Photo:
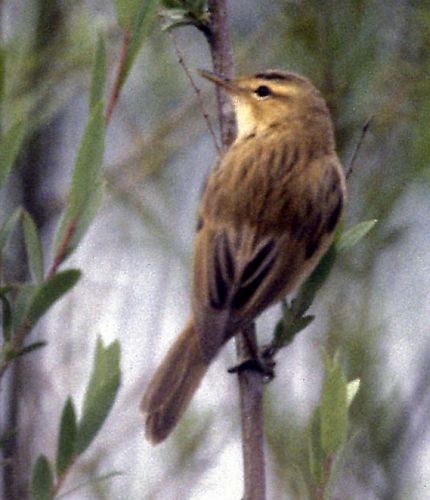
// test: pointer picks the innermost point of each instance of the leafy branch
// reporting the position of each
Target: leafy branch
(294, 318)
(75, 435)
(86, 191)
(23, 304)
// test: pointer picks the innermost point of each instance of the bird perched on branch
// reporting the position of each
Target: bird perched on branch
(266, 217)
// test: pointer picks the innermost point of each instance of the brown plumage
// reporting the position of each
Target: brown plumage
(267, 215)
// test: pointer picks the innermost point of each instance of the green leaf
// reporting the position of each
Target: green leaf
(86, 185)
(175, 18)
(173, 4)
(310, 287)
(10, 145)
(317, 455)
(22, 304)
(89, 211)
(126, 10)
(42, 480)
(184, 13)
(354, 235)
(351, 390)
(98, 80)
(293, 319)
(142, 24)
(66, 438)
(49, 292)
(6, 317)
(2, 76)
(7, 228)
(86, 174)
(33, 247)
(100, 394)
(334, 409)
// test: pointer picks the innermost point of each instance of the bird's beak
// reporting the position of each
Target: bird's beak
(229, 85)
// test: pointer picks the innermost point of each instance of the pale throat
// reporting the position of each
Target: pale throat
(246, 123)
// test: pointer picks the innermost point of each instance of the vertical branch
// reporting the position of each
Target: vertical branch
(222, 59)
(250, 381)
(251, 413)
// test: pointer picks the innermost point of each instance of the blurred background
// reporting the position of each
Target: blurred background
(369, 58)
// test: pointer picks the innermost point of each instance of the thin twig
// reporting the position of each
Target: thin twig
(119, 75)
(196, 89)
(250, 381)
(358, 146)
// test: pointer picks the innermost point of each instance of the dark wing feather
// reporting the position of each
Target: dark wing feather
(254, 272)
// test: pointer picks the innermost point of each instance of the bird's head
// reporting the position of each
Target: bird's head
(271, 97)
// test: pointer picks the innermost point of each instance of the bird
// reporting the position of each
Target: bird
(267, 215)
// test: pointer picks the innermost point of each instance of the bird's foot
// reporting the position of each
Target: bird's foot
(263, 364)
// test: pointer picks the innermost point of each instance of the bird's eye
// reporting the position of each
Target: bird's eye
(262, 91)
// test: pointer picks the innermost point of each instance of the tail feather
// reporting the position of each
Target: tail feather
(173, 385)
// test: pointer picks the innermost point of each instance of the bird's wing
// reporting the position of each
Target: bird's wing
(237, 275)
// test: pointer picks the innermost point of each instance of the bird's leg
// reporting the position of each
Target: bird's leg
(255, 360)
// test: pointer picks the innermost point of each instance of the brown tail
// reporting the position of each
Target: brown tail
(173, 385)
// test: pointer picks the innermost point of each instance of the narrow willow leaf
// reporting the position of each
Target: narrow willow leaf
(142, 24)
(172, 4)
(351, 390)
(22, 303)
(334, 410)
(310, 287)
(100, 394)
(178, 14)
(175, 18)
(354, 235)
(85, 182)
(86, 174)
(420, 138)
(49, 292)
(6, 229)
(89, 211)
(33, 247)
(66, 438)
(98, 80)
(10, 145)
(317, 455)
(6, 317)
(2, 77)
(126, 10)
(42, 480)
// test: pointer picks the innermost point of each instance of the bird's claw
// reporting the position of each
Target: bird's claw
(263, 364)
